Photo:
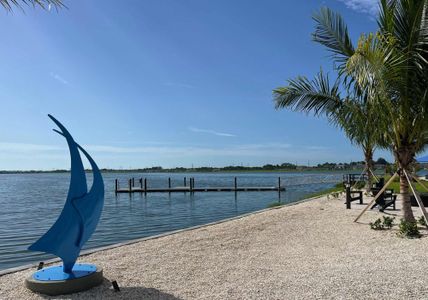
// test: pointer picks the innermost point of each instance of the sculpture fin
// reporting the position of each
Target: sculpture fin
(81, 211)
(78, 186)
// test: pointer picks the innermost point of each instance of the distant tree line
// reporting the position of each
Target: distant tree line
(268, 167)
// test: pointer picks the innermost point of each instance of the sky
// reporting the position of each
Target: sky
(166, 83)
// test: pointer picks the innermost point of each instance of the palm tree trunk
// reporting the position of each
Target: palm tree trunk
(405, 199)
(404, 156)
(368, 156)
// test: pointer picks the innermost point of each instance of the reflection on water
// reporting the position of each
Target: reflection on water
(30, 204)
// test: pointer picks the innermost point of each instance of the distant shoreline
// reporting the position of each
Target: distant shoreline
(308, 170)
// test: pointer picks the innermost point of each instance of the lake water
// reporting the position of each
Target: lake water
(30, 204)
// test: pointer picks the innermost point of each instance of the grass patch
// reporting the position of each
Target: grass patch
(336, 189)
(275, 204)
(395, 185)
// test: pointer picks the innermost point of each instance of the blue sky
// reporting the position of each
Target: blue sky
(168, 82)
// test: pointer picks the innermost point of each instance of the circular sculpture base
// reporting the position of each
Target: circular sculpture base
(53, 281)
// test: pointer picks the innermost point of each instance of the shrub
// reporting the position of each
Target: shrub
(377, 225)
(388, 222)
(360, 185)
(422, 221)
(408, 229)
(335, 195)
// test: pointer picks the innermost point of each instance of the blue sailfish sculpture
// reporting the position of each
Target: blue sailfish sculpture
(81, 212)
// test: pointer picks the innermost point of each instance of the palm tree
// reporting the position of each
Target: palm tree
(353, 113)
(392, 65)
(389, 71)
(9, 4)
(358, 120)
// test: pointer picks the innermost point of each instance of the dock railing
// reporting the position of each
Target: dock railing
(191, 187)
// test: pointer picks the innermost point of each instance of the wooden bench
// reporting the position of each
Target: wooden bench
(424, 198)
(387, 199)
(350, 197)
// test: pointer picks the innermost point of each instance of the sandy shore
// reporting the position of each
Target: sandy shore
(312, 250)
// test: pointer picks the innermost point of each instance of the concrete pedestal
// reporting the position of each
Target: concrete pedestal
(53, 281)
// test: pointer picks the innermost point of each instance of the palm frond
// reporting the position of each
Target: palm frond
(332, 32)
(386, 15)
(44, 4)
(374, 65)
(405, 74)
(360, 122)
(407, 20)
(316, 96)
(354, 116)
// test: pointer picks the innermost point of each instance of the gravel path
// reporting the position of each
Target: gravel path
(312, 250)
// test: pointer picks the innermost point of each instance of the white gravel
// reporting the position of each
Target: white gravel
(312, 250)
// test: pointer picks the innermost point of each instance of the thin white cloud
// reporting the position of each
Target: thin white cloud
(365, 6)
(165, 149)
(317, 148)
(210, 131)
(22, 147)
(266, 146)
(263, 149)
(176, 151)
(37, 156)
(259, 150)
(59, 78)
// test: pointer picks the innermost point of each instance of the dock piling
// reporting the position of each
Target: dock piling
(190, 186)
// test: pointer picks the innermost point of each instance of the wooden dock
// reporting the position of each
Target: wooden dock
(143, 187)
(351, 179)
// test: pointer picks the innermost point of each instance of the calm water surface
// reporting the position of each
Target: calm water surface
(30, 204)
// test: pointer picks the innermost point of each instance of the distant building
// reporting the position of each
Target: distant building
(422, 174)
